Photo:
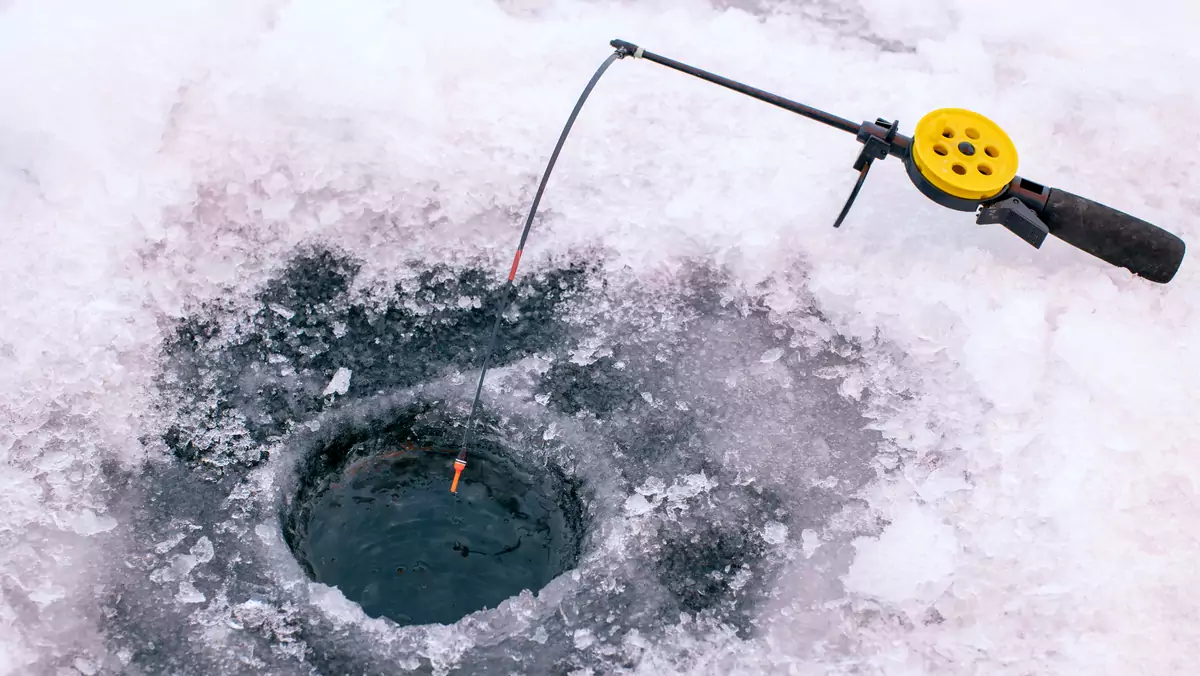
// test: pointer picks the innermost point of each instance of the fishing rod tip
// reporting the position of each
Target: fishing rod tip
(459, 466)
(626, 48)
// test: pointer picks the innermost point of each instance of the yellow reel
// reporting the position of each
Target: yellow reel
(963, 154)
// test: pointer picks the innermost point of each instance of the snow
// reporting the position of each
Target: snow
(912, 562)
(1038, 491)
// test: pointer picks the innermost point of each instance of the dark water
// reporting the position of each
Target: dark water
(387, 531)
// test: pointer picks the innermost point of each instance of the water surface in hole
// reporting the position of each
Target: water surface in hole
(387, 531)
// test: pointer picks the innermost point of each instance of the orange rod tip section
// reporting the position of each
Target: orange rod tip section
(459, 466)
(516, 261)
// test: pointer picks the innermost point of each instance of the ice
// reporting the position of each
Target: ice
(809, 540)
(339, 383)
(775, 533)
(1036, 505)
(637, 505)
(584, 639)
(189, 594)
(912, 561)
(771, 355)
(202, 550)
(169, 544)
(88, 522)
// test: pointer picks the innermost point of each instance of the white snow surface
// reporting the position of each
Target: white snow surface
(155, 155)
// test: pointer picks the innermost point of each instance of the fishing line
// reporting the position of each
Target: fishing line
(460, 461)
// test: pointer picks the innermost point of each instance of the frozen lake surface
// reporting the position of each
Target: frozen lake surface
(233, 234)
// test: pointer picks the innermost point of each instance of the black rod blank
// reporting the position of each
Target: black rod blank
(830, 119)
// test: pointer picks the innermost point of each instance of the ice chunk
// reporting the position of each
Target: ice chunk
(637, 505)
(169, 544)
(88, 522)
(202, 550)
(583, 639)
(189, 594)
(772, 355)
(652, 486)
(775, 533)
(47, 594)
(912, 560)
(339, 384)
(809, 542)
(689, 487)
(182, 565)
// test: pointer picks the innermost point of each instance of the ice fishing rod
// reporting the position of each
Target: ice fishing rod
(955, 157)
(965, 161)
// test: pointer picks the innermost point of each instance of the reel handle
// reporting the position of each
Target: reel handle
(1113, 236)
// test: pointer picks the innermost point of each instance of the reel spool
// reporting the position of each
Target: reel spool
(959, 158)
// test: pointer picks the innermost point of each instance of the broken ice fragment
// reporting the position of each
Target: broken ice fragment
(202, 550)
(637, 505)
(88, 522)
(775, 533)
(810, 541)
(771, 355)
(339, 384)
(189, 594)
(584, 639)
(166, 545)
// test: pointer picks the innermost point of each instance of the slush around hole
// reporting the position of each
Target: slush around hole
(959, 169)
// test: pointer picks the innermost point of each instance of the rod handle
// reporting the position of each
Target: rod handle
(1113, 236)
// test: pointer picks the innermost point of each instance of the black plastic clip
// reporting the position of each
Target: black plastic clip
(625, 49)
(1020, 220)
(874, 148)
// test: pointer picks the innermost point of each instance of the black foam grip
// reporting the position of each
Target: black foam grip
(1113, 236)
